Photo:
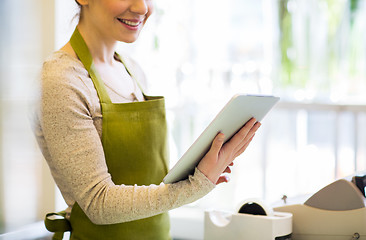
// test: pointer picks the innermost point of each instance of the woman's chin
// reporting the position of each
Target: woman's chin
(129, 39)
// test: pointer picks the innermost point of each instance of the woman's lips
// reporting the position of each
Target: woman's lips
(130, 24)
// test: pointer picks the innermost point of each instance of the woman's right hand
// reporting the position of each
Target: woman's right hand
(221, 156)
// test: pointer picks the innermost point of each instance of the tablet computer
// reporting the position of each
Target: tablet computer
(229, 120)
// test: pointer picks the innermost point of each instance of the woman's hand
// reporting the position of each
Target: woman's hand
(221, 156)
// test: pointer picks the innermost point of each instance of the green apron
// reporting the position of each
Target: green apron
(135, 147)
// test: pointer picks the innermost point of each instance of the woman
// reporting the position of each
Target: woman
(105, 140)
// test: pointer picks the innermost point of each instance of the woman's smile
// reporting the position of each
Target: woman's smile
(131, 24)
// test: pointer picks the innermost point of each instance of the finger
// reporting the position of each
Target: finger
(243, 132)
(227, 170)
(244, 147)
(217, 143)
(223, 179)
(249, 136)
(254, 129)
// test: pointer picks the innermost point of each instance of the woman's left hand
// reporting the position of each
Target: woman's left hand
(221, 156)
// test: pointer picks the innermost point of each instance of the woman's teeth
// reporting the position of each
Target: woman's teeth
(129, 23)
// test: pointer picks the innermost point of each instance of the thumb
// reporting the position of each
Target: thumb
(217, 143)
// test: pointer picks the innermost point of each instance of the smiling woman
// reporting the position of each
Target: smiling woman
(105, 140)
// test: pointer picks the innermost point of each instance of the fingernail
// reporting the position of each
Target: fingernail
(227, 178)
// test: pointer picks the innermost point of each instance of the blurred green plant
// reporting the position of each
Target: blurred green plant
(286, 44)
(159, 13)
(356, 40)
(343, 42)
(353, 6)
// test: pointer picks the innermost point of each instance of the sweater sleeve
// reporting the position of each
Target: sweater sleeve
(72, 147)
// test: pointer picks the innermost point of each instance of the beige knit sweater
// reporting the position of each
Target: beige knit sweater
(68, 130)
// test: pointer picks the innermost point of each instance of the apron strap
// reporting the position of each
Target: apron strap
(129, 73)
(81, 49)
(57, 225)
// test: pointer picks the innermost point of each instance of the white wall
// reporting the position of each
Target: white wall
(26, 39)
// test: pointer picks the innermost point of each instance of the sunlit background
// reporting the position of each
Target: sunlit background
(198, 53)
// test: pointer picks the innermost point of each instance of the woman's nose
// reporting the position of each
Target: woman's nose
(139, 6)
